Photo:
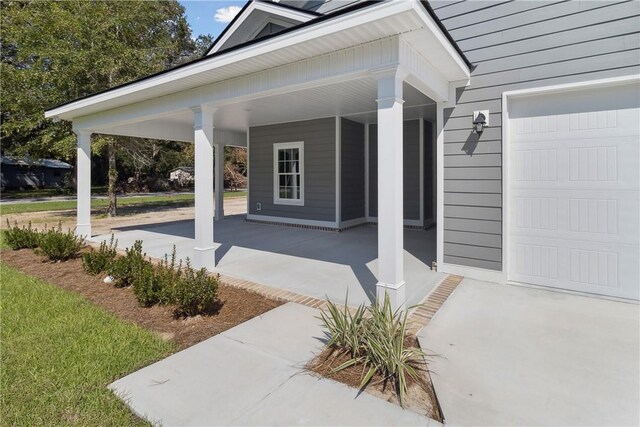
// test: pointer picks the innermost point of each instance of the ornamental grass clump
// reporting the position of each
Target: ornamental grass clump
(375, 340)
(59, 245)
(100, 260)
(21, 237)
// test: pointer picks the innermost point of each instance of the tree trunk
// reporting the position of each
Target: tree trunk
(113, 179)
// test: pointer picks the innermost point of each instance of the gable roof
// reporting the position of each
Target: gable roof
(51, 112)
(242, 26)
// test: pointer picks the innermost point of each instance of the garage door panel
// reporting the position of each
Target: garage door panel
(599, 124)
(582, 266)
(574, 191)
(583, 215)
(585, 164)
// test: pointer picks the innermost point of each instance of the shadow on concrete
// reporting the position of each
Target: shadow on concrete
(356, 247)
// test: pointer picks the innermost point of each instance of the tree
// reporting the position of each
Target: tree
(53, 52)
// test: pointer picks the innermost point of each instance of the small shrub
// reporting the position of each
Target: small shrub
(195, 292)
(127, 268)
(145, 286)
(21, 237)
(99, 261)
(58, 245)
(167, 274)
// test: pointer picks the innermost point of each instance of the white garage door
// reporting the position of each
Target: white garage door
(574, 190)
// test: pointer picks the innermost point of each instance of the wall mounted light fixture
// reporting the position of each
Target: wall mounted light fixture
(480, 120)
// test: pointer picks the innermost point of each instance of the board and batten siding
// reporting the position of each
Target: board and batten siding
(319, 138)
(352, 194)
(516, 45)
(411, 170)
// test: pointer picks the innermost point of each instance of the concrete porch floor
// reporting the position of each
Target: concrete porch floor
(309, 262)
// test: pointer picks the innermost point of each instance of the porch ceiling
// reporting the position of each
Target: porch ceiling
(354, 99)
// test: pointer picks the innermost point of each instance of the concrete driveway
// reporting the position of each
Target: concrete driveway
(513, 355)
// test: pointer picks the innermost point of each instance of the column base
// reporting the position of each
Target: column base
(83, 230)
(218, 216)
(396, 293)
(204, 258)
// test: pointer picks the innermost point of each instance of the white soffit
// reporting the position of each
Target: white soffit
(363, 25)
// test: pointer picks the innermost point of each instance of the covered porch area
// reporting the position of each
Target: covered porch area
(320, 264)
(308, 104)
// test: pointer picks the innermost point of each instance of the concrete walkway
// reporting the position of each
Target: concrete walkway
(512, 355)
(251, 375)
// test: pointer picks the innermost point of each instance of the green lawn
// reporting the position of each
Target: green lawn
(59, 352)
(44, 192)
(177, 200)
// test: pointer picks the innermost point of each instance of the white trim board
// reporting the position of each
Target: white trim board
(269, 8)
(299, 145)
(472, 272)
(338, 166)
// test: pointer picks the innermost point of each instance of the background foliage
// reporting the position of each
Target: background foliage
(56, 51)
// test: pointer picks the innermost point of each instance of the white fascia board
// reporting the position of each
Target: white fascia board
(344, 22)
(422, 74)
(265, 7)
(442, 39)
(565, 87)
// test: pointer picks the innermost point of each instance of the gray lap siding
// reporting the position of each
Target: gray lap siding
(319, 169)
(352, 196)
(516, 45)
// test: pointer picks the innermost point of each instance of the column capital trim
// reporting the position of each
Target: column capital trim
(385, 102)
(201, 115)
(82, 132)
(387, 71)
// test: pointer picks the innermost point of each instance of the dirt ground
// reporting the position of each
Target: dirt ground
(236, 305)
(100, 224)
(420, 398)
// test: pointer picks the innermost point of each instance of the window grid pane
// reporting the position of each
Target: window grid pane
(289, 178)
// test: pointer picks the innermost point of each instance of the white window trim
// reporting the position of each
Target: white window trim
(276, 186)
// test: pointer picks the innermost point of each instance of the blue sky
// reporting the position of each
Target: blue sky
(210, 16)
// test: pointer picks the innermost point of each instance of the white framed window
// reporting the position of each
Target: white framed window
(288, 173)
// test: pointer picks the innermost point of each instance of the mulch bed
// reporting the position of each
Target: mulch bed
(236, 305)
(420, 398)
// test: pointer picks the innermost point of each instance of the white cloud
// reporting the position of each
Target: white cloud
(226, 14)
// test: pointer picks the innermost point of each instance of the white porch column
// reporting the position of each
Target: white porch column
(390, 188)
(204, 255)
(83, 184)
(219, 181)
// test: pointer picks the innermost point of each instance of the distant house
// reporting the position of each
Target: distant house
(21, 172)
(182, 175)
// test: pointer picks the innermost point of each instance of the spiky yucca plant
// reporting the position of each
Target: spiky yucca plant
(345, 328)
(375, 339)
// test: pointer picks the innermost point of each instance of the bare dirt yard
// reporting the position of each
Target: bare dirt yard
(100, 224)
